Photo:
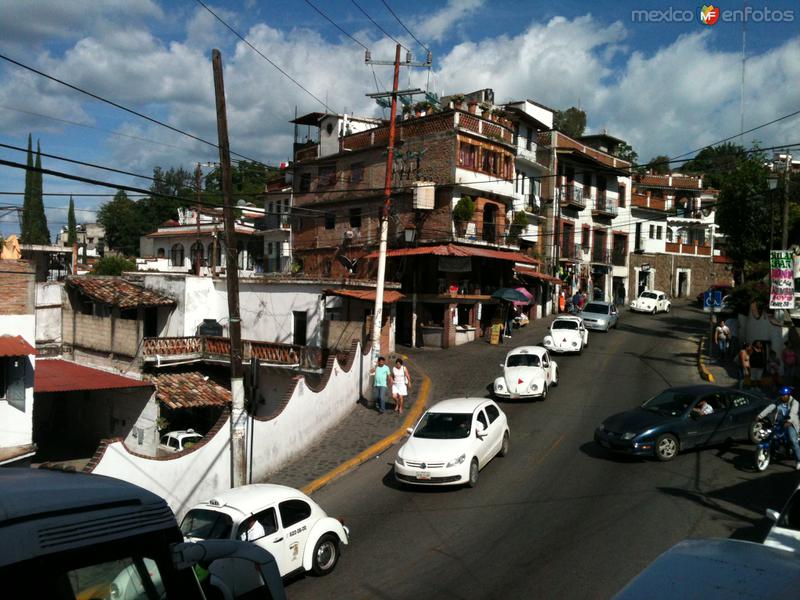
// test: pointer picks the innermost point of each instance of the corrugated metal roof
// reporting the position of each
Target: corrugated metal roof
(15, 345)
(455, 250)
(188, 390)
(389, 296)
(57, 375)
(115, 291)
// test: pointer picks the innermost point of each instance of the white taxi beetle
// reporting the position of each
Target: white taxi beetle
(567, 334)
(651, 302)
(289, 524)
(528, 372)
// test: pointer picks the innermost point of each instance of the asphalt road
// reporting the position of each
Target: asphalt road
(558, 517)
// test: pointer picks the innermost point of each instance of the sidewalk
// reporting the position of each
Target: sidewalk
(359, 435)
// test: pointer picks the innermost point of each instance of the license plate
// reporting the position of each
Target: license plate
(514, 396)
(423, 475)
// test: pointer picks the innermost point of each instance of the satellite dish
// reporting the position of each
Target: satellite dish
(241, 202)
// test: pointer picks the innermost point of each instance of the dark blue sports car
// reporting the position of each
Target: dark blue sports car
(680, 418)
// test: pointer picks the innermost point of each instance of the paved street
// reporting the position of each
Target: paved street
(557, 518)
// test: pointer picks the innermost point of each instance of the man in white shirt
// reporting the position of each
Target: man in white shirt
(251, 530)
(703, 408)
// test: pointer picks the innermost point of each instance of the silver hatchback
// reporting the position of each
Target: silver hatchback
(600, 316)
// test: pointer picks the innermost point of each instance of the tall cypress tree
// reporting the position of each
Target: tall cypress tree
(40, 234)
(72, 230)
(25, 233)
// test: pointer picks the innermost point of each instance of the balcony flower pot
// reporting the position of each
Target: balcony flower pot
(472, 107)
(461, 228)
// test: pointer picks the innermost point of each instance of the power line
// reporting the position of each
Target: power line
(374, 22)
(262, 55)
(332, 22)
(416, 39)
(119, 106)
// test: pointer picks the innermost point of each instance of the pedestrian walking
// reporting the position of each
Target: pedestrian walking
(758, 362)
(733, 342)
(562, 302)
(721, 338)
(382, 374)
(401, 381)
(743, 364)
(789, 363)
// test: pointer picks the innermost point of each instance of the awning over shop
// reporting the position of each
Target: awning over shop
(15, 345)
(456, 250)
(57, 375)
(389, 296)
(530, 272)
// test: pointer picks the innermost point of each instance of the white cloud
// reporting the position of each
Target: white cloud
(436, 25)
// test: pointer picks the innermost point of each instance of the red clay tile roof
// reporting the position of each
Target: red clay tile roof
(187, 390)
(454, 250)
(389, 296)
(57, 375)
(118, 292)
(15, 345)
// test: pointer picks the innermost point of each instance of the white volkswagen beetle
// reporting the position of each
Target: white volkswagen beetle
(651, 302)
(452, 441)
(280, 519)
(528, 372)
(567, 334)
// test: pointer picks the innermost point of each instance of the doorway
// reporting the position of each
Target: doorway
(644, 278)
(489, 223)
(683, 284)
(300, 319)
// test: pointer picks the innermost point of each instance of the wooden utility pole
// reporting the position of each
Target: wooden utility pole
(786, 177)
(238, 417)
(198, 173)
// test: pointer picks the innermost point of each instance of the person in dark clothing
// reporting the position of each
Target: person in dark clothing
(758, 361)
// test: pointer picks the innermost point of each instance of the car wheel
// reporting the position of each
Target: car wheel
(555, 376)
(652, 312)
(504, 446)
(762, 458)
(666, 447)
(326, 554)
(544, 393)
(473, 473)
(666, 310)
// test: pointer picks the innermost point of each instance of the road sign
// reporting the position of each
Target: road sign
(712, 301)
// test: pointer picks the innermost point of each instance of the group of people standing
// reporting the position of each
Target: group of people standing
(759, 365)
(397, 378)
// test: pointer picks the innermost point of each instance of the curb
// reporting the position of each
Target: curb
(705, 374)
(380, 446)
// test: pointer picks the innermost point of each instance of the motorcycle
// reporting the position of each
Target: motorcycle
(771, 439)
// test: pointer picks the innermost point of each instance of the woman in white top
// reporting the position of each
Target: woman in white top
(401, 380)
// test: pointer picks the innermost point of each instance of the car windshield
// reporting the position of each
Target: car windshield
(523, 360)
(601, 309)
(565, 324)
(206, 524)
(650, 295)
(669, 402)
(444, 426)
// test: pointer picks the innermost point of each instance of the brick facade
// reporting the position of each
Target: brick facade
(665, 272)
(17, 287)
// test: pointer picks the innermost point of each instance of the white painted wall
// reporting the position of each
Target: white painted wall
(48, 312)
(16, 427)
(197, 475)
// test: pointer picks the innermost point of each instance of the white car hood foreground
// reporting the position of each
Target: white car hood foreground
(563, 338)
(433, 450)
(644, 304)
(518, 379)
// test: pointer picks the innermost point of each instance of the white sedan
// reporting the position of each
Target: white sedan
(785, 531)
(452, 442)
(280, 519)
(567, 334)
(527, 373)
(651, 302)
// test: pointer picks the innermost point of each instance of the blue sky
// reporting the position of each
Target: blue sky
(666, 87)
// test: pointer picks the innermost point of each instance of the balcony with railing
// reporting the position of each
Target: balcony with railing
(274, 222)
(572, 196)
(619, 258)
(691, 248)
(604, 206)
(601, 256)
(650, 202)
(533, 206)
(536, 155)
(570, 252)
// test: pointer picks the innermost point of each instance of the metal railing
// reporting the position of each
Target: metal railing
(572, 196)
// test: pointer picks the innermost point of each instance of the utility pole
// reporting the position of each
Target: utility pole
(377, 318)
(198, 173)
(786, 176)
(238, 417)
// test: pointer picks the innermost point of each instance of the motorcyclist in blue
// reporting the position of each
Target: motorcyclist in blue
(785, 413)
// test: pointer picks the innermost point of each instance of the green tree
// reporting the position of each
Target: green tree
(34, 229)
(72, 228)
(626, 152)
(716, 163)
(571, 121)
(659, 164)
(113, 265)
(123, 223)
(27, 202)
(743, 212)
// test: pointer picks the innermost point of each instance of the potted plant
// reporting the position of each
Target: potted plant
(422, 108)
(472, 107)
(458, 101)
(462, 213)
(407, 110)
(518, 225)
(486, 108)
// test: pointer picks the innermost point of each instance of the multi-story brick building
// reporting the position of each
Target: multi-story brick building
(448, 260)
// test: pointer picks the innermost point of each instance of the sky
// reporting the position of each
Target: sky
(650, 73)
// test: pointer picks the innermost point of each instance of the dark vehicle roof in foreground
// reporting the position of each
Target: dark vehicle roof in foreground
(48, 511)
(716, 568)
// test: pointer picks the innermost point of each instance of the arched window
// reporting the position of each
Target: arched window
(176, 255)
(161, 253)
(197, 251)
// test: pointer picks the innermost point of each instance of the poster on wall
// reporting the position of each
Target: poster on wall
(781, 274)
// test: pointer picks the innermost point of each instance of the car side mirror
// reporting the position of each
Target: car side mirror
(410, 430)
(480, 431)
(773, 515)
(502, 366)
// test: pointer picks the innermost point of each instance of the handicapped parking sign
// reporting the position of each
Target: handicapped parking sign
(712, 301)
